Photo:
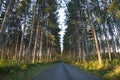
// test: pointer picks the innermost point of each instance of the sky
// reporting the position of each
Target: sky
(61, 20)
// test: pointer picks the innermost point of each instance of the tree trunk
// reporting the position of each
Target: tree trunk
(107, 41)
(41, 42)
(79, 46)
(113, 47)
(108, 48)
(30, 41)
(1, 1)
(3, 27)
(48, 52)
(4, 51)
(101, 50)
(94, 34)
(16, 47)
(35, 45)
(83, 52)
(21, 47)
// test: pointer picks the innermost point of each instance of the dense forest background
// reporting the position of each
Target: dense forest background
(93, 28)
(29, 33)
(29, 30)
(92, 39)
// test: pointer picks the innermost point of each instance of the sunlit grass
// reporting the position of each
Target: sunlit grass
(113, 74)
(109, 70)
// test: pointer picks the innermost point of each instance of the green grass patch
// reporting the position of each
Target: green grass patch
(21, 72)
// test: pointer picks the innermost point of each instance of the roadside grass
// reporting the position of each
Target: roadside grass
(13, 71)
(108, 71)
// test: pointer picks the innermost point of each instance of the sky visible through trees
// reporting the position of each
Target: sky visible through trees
(61, 19)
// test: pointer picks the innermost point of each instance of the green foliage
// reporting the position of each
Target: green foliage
(98, 20)
(114, 8)
(118, 14)
(109, 70)
(13, 71)
(51, 39)
(7, 67)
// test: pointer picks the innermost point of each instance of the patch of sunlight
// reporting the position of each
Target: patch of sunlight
(2, 63)
(77, 63)
(118, 14)
(98, 20)
(100, 67)
(115, 72)
(117, 69)
(103, 66)
(23, 66)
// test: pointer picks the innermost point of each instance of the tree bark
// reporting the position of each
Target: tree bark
(21, 47)
(94, 34)
(41, 42)
(79, 46)
(114, 47)
(30, 41)
(3, 27)
(16, 47)
(1, 3)
(35, 45)
(84, 44)
(107, 41)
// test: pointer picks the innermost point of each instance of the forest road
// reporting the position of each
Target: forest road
(62, 71)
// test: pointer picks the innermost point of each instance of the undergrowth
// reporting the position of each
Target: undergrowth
(11, 70)
(109, 70)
